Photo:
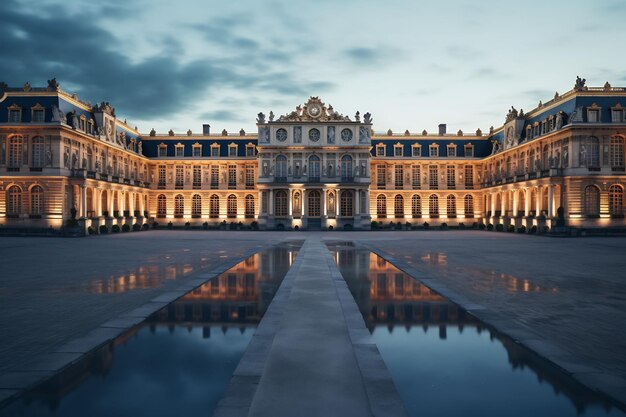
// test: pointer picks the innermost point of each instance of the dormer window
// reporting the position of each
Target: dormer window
(15, 114)
(196, 149)
(38, 113)
(397, 149)
(215, 150)
(529, 132)
(536, 129)
(82, 123)
(451, 150)
(179, 150)
(593, 113)
(90, 127)
(250, 149)
(617, 114)
(380, 149)
(162, 150)
(416, 150)
(433, 150)
(551, 123)
(469, 150)
(232, 150)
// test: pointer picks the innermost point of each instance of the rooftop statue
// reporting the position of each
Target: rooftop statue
(53, 85)
(153, 132)
(260, 118)
(580, 84)
(367, 118)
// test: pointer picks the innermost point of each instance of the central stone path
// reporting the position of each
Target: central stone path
(312, 354)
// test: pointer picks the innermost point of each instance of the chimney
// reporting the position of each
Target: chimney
(442, 129)
(206, 130)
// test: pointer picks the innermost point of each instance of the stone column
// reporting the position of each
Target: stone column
(538, 202)
(357, 202)
(305, 203)
(323, 203)
(289, 203)
(503, 203)
(551, 201)
(270, 203)
(527, 202)
(515, 203)
(366, 209)
(492, 198)
(83, 201)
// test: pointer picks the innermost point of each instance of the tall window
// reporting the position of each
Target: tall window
(214, 206)
(215, 150)
(249, 209)
(249, 176)
(469, 206)
(616, 200)
(314, 168)
(381, 206)
(416, 150)
(546, 157)
(180, 150)
(197, 176)
(179, 205)
(399, 176)
(416, 177)
(451, 206)
(180, 176)
(15, 151)
(162, 151)
(161, 205)
(433, 205)
(433, 177)
(451, 171)
(433, 150)
(616, 152)
(398, 150)
(592, 201)
(14, 200)
(469, 176)
(346, 204)
(37, 155)
(451, 151)
(381, 176)
(416, 206)
(346, 168)
(314, 204)
(232, 150)
(197, 151)
(593, 152)
(469, 151)
(162, 176)
(281, 167)
(36, 200)
(232, 176)
(280, 203)
(196, 206)
(231, 206)
(215, 176)
(398, 206)
(15, 114)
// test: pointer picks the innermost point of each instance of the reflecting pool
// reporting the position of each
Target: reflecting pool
(179, 360)
(444, 361)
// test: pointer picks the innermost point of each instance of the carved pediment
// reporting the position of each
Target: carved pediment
(314, 110)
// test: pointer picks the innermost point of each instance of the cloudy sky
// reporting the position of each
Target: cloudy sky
(412, 64)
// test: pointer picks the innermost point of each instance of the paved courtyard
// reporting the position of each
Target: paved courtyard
(564, 298)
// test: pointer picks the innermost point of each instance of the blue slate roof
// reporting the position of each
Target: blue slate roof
(151, 146)
(482, 146)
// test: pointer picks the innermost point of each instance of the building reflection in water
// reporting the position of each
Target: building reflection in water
(192, 344)
(394, 306)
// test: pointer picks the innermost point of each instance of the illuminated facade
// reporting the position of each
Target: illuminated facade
(312, 168)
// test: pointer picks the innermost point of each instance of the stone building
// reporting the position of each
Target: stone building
(312, 168)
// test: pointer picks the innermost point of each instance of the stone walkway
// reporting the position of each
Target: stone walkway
(312, 355)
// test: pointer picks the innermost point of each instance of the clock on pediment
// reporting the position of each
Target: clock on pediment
(314, 110)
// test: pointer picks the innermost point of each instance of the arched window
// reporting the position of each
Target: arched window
(196, 206)
(381, 206)
(161, 205)
(433, 205)
(249, 209)
(15, 151)
(231, 206)
(281, 167)
(280, 203)
(416, 206)
(179, 205)
(36, 200)
(346, 204)
(531, 161)
(314, 204)
(314, 168)
(398, 206)
(214, 206)
(37, 154)
(592, 201)
(451, 206)
(346, 168)
(468, 202)
(616, 152)
(616, 201)
(14, 201)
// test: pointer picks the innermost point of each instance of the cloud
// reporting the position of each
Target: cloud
(365, 55)
(222, 115)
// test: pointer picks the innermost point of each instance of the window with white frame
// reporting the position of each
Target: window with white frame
(14, 201)
(37, 153)
(380, 149)
(433, 176)
(197, 176)
(214, 206)
(36, 200)
(399, 176)
(180, 176)
(162, 150)
(16, 154)
(232, 150)
(179, 206)
(416, 206)
(179, 150)
(617, 114)
(161, 205)
(231, 206)
(196, 206)
(398, 206)
(416, 177)
(249, 176)
(451, 206)
(469, 205)
(616, 152)
(15, 114)
(451, 151)
(433, 150)
(593, 114)
(616, 200)
(215, 150)
(416, 150)
(215, 176)
(346, 204)
(469, 176)
(249, 150)
(38, 114)
(381, 175)
(433, 205)
(381, 206)
(162, 176)
(469, 150)
(196, 150)
(249, 208)
(398, 150)
(451, 176)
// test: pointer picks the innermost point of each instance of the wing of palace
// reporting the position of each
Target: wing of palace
(61, 159)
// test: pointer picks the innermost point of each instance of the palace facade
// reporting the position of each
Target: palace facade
(312, 168)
